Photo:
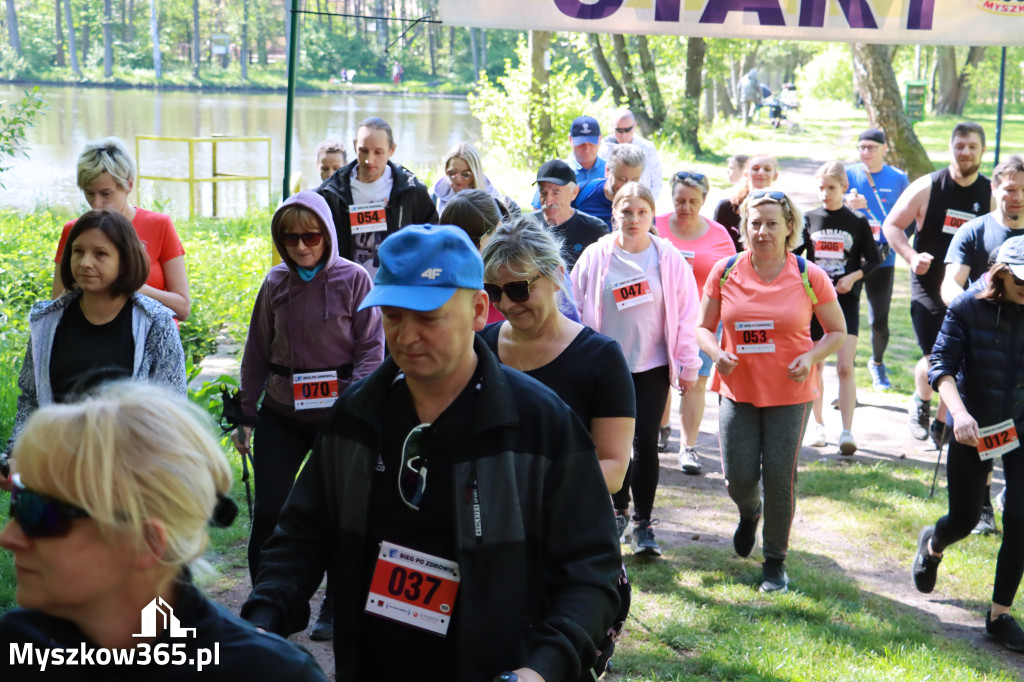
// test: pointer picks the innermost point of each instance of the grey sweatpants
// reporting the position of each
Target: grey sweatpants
(763, 442)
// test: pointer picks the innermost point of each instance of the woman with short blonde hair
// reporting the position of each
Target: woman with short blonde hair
(112, 497)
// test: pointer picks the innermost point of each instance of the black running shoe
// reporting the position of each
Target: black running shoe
(1006, 631)
(664, 433)
(925, 566)
(643, 542)
(745, 537)
(774, 578)
(939, 434)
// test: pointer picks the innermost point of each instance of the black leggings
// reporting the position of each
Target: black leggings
(642, 475)
(878, 287)
(280, 445)
(967, 476)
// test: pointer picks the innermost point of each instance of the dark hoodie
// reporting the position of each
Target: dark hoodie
(298, 325)
(409, 203)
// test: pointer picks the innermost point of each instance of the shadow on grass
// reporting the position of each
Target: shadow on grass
(697, 614)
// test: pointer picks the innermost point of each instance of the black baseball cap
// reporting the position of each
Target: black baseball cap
(872, 135)
(557, 172)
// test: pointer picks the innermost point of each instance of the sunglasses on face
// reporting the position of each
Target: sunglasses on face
(412, 472)
(623, 131)
(465, 175)
(868, 147)
(1016, 280)
(308, 238)
(772, 194)
(517, 292)
(42, 516)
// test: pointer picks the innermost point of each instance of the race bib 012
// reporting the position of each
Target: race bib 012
(997, 440)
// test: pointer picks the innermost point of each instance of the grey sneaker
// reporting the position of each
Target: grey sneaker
(664, 433)
(987, 522)
(323, 628)
(1005, 630)
(1000, 501)
(926, 566)
(774, 578)
(643, 543)
(919, 417)
(623, 526)
(688, 461)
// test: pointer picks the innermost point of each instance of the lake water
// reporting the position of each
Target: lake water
(424, 130)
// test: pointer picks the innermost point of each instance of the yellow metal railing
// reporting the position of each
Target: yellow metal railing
(216, 176)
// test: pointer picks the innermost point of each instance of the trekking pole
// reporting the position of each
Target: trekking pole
(945, 439)
(231, 413)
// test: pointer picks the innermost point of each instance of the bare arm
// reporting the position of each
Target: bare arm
(613, 438)
(830, 316)
(954, 281)
(708, 317)
(176, 281)
(965, 429)
(912, 205)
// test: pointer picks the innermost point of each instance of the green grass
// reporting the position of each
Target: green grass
(697, 616)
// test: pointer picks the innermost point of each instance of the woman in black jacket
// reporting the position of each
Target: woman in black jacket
(980, 344)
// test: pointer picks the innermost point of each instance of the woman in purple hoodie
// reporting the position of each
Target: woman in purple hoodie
(306, 344)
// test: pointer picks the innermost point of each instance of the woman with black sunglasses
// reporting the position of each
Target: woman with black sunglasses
(766, 367)
(524, 276)
(306, 344)
(702, 243)
(638, 289)
(112, 498)
(975, 368)
(464, 170)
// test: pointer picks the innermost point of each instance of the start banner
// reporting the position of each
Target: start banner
(936, 22)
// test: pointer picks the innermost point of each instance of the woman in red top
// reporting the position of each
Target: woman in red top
(702, 243)
(766, 371)
(106, 175)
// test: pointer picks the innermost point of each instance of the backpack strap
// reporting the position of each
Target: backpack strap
(801, 265)
(730, 265)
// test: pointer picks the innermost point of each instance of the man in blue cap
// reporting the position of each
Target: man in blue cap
(585, 138)
(458, 503)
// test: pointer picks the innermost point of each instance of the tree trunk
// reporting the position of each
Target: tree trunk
(124, 22)
(650, 78)
(709, 102)
(72, 52)
(245, 40)
(108, 40)
(540, 120)
(382, 38)
(885, 109)
(86, 31)
(12, 27)
(476, 59)
(58, 25)
(483, 49)
(725, 105)
(955, 87)
(634, 98)
(695, 51)
(195, 39)
(603, 68)
(154, 34)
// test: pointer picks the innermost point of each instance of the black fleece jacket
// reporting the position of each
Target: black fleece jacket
(538, 555)
(981, 344)
(409, 203)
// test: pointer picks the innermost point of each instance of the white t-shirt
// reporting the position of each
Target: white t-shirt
(639, 328)
(366, 245)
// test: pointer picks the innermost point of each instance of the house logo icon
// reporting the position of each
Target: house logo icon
(157, 609)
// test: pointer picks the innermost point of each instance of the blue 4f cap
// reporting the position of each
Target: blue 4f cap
(421, 266)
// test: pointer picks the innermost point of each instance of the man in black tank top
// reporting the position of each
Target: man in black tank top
(940, 203)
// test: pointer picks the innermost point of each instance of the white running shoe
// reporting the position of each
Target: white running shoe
(816, 436)
(847, 445)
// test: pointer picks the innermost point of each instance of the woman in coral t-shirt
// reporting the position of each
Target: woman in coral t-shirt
(766, 368)
(702, 243)
(106, 175)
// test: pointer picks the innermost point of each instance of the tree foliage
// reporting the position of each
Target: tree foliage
(15, 120)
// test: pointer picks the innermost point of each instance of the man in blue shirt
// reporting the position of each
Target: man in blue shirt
(874, 189)
(585, 137)
(626, 164)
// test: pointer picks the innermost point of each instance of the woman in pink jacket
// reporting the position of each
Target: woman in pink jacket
(638, 289)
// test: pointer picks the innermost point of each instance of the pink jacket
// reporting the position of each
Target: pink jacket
(680, 294)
